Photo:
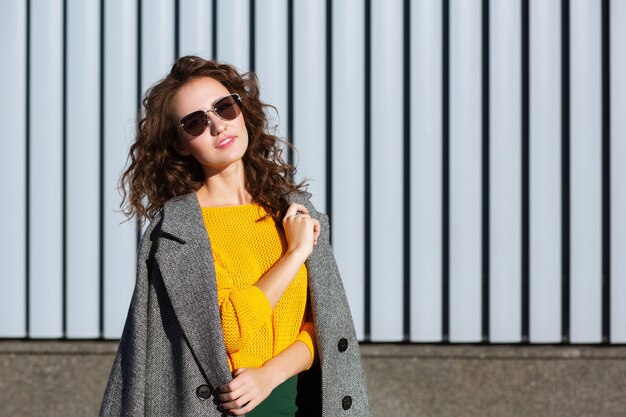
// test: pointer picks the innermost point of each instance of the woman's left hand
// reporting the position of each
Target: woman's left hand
(248, 388)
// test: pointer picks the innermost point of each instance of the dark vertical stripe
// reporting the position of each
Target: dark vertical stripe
(606, 171)
(139, 53)
(329, 109)
(214, 30)
(101, 178)
(525, 171)
(485, 173)
(139, 95)
(367, 241)
(64, 174)
(27, 169)
(407, 172)
(565, 177)
(252, 37)
(290, 104)
(176, 28)
(445, 173)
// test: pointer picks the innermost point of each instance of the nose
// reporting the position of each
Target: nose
(216, 124)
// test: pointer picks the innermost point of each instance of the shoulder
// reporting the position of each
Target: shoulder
(149, 235)
(180, 204)
(304, 198)
(300, 197)
(176, 214)
(153, 226)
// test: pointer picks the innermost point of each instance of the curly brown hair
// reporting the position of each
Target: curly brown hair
(157, 172)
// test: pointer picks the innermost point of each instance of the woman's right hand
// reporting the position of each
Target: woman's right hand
(301, 231)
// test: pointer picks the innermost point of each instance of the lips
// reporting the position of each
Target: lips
(225, 142)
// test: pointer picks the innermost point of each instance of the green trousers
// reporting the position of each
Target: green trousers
(280, 403)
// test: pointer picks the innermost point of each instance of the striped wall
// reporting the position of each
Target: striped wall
(470, 154)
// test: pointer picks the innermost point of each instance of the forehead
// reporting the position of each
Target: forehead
(198, 94)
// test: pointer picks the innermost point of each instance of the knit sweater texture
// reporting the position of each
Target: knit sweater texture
(246, 244)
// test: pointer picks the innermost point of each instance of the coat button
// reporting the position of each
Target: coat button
(342, 345)
(346, 403)
(203, 391)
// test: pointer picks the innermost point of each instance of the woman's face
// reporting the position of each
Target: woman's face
(224, 142)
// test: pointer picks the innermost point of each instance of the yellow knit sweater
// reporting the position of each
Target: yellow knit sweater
(246, 244)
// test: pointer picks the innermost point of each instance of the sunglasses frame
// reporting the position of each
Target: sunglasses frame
(235, 96)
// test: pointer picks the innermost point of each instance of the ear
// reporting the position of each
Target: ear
(180, 148)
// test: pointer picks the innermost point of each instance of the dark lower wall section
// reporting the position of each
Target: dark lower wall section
(53, 378)
(498, 381)
(61, 378)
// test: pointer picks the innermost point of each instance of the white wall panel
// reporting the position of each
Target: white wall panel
(586, 171)
(348, 131)
(426, 170)
(505, 171)
(46, 168)
(195, 28)
(271, 60)
(83, 168)
(387, 139)
(465, 171)
(618, 170)
(13, 170)
(233, 32)
(120, 107)
(59, 94)
(157, 44)
(545, 171)
(157, 41)
(309, 106)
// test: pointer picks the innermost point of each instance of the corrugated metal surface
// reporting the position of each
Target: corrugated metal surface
(470, 155)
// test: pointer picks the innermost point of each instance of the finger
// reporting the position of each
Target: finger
(233, 385)
(248, 407)
(239, 382)
(316, 229)
(238, 403)
(234, 389)
(295, 208)
(232, 395)
(233, 405)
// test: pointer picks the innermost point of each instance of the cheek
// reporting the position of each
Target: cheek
(244, 131)
(247, 138)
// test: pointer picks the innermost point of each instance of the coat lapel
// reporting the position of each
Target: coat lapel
(185, 260)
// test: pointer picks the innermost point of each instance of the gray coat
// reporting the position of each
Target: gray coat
(172, 355)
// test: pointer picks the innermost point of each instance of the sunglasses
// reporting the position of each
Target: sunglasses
(225, 108)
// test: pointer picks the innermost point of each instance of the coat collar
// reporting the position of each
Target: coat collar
(185, 259)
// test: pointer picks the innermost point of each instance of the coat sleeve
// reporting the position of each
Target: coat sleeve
(125, 391)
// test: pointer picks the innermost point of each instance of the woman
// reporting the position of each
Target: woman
(238, 307)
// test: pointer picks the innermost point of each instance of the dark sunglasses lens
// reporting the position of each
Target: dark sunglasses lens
(227, 108)
(194, 123)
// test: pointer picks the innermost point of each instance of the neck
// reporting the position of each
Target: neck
(224, 187)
